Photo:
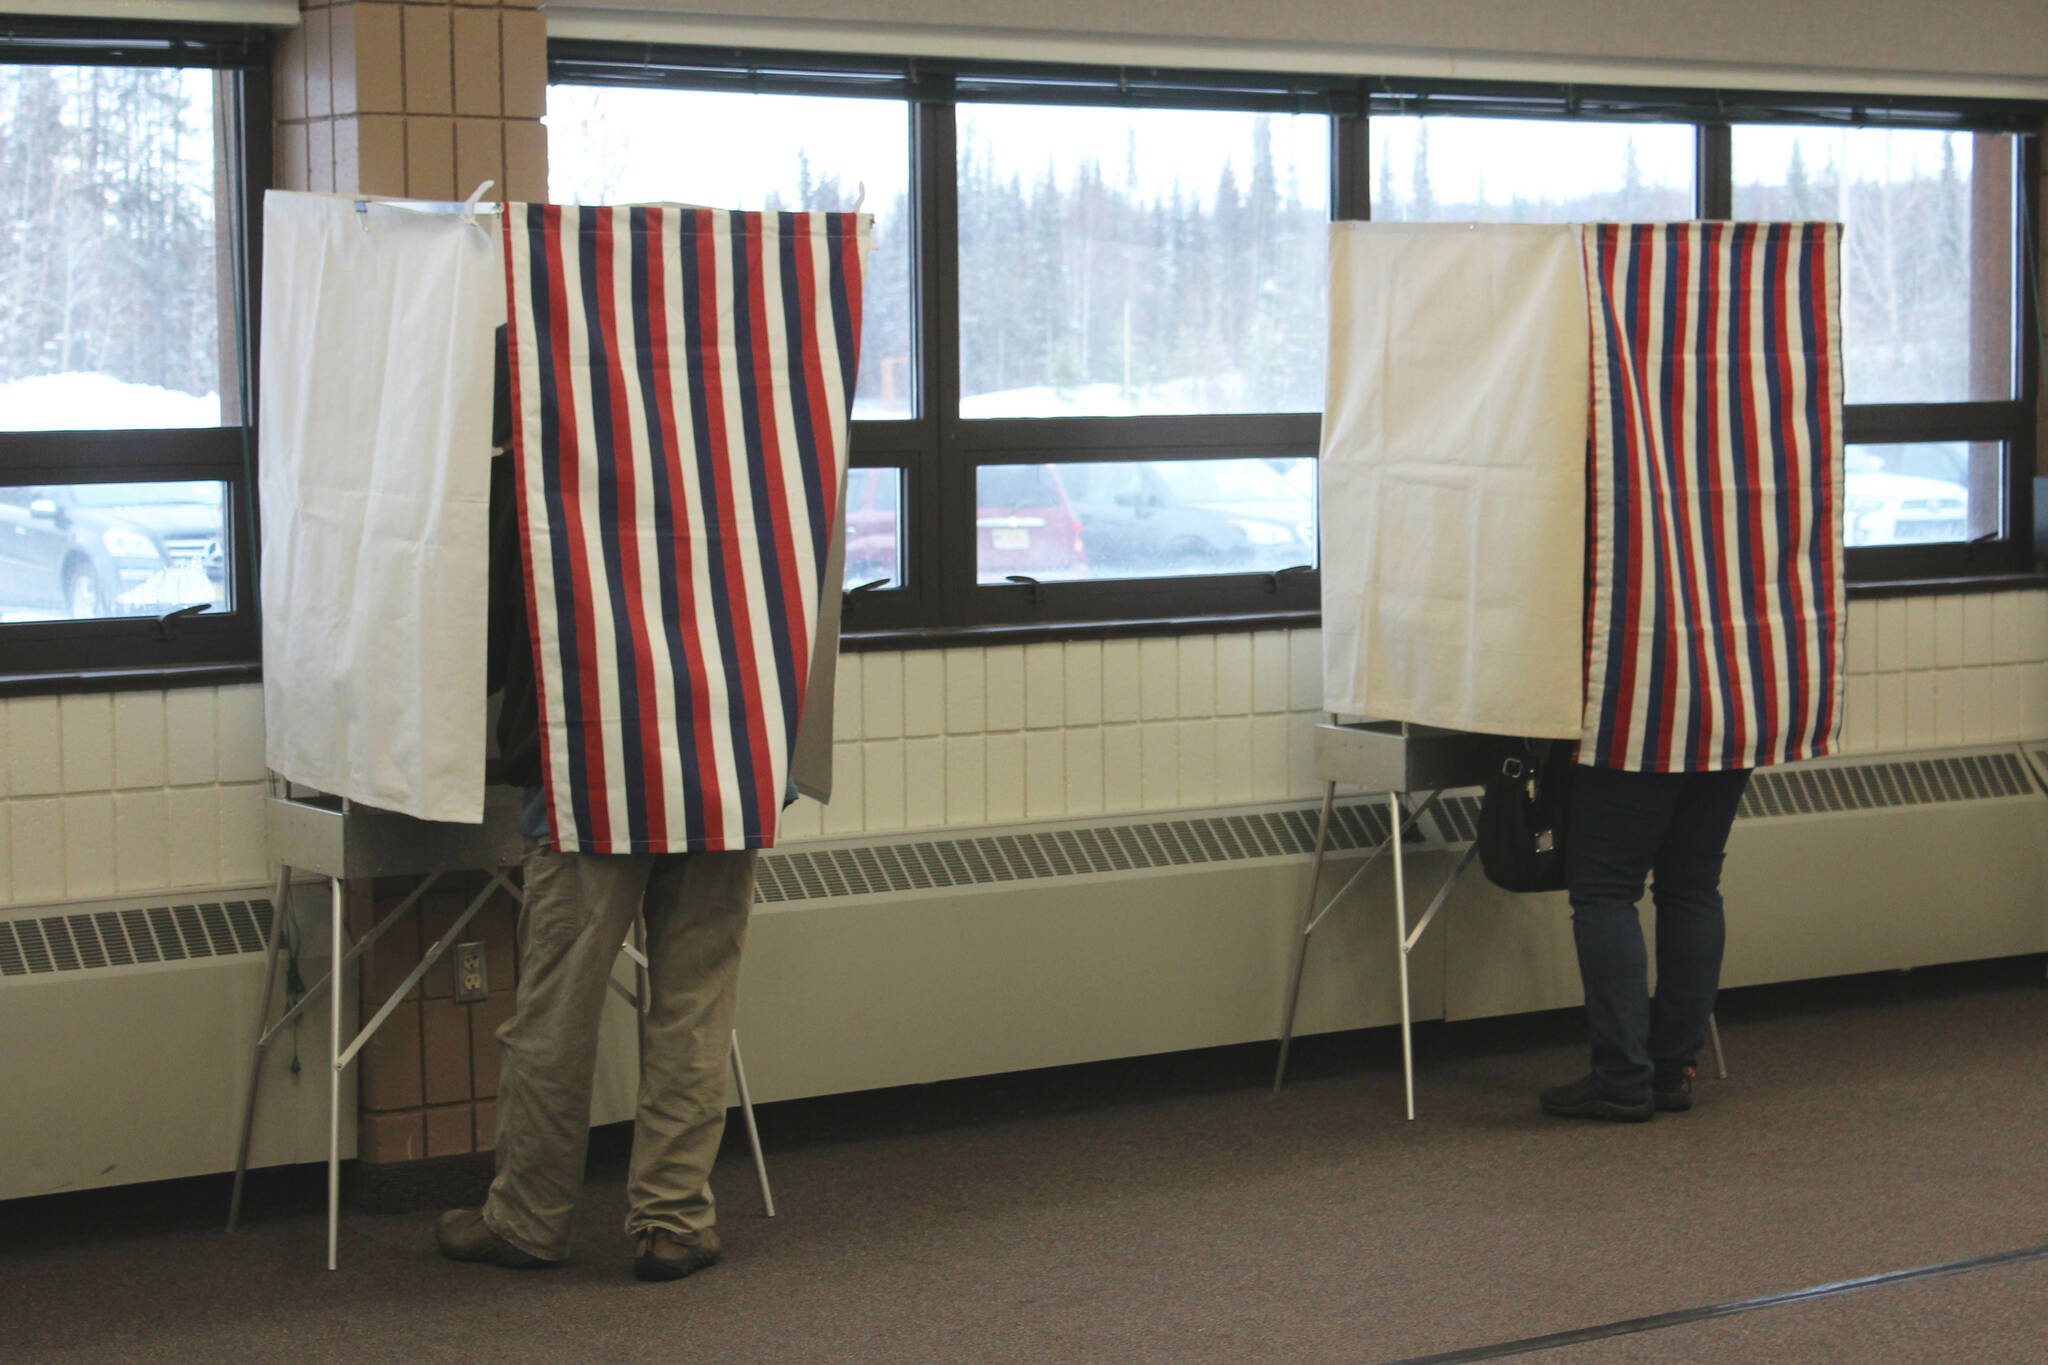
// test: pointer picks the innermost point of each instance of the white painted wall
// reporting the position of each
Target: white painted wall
(145, 792)
(1905, 46)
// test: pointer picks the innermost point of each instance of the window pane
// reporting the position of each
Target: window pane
(1489, 170)
(1160, 518)
(73, 551)
(874, 527)
(109, 298)
(1927, 249)
(1914, 493)
(784, 152)
(1118, 261)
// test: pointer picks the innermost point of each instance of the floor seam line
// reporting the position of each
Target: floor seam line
(1657, 1322)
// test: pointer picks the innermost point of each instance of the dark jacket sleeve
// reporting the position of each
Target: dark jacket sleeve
(509, 646)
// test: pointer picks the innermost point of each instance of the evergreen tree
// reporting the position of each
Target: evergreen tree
(106, 228)
(1421, 200)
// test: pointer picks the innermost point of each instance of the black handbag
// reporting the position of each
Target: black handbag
(1523, 815)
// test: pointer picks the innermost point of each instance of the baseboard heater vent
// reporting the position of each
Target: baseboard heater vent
(1833, 788)
(123, 938)
(1821, 790)
(926, 865)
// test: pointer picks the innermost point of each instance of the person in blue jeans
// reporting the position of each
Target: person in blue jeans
(1672, 828)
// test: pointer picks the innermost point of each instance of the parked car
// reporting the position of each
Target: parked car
(872, 526)
(1024, 525)
(1886, 508)
(110, 549)
(1191, 516)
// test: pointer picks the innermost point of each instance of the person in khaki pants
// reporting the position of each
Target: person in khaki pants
(579, 909)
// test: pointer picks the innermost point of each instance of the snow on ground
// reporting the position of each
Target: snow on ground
(98, 402)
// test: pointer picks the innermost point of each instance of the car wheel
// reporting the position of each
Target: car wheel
(82, 592)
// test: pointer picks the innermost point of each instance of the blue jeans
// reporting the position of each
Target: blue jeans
(1625, 826)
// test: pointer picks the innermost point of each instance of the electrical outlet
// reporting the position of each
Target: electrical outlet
(472, 983)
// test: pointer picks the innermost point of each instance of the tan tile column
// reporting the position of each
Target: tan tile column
(421, 100)
(424, 100)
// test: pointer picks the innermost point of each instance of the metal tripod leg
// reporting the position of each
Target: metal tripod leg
(277, 914)
(1714, 1037)
(1308, 917)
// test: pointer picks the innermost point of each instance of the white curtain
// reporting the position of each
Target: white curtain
(377, 347)
(1453, 476)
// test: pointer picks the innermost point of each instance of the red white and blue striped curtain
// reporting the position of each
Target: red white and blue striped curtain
(1714, 605)
(681, 380)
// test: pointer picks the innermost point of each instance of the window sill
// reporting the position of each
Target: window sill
(854, 640)
(2014, 580)
(127, 679)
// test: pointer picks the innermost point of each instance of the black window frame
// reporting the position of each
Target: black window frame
(938, 599)
(141, 651)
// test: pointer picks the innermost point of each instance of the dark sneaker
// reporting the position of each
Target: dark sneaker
(1671, 1089)
(664, 1255)
(463, 1235)
(1581, 1099)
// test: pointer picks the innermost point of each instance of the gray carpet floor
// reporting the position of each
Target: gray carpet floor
(1194, 1218)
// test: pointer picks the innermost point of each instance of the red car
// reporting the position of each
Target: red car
(1023, 525)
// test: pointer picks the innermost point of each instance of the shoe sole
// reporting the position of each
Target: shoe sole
(1606, 1110)
(493, 1250)
(505, 1257)
(1673, 1104)
(654, 1270)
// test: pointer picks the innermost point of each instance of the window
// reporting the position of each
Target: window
(1503, 170)
(1932, 346)
(1091, 379)
(1124, 262)
(771, 152)
(125, 524)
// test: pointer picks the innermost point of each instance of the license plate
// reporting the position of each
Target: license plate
(1011, 538)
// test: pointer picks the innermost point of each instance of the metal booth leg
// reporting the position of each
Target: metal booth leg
(1714, 1037)
(256, 1051)
(640, 998)
(334, 1065)
(1394, 813)
(1308, 917)
(739, 1076)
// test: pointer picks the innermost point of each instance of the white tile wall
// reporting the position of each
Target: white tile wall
(1049, 731)
(86, 731)
(136, 792)
(105, 794)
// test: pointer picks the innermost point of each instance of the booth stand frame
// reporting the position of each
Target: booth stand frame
(1413, 765)
(341, 840)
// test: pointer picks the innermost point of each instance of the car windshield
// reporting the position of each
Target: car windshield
(1018, 485)
(137, 494)
(1226, 481)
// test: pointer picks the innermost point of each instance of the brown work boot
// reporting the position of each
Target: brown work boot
(664, 1255)
(462, 1235)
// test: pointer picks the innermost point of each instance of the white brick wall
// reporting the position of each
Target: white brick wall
(138, 792)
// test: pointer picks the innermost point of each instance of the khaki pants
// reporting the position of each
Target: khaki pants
(579, 909)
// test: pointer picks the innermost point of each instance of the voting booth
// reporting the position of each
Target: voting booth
(679, 384)
(1596, 472)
